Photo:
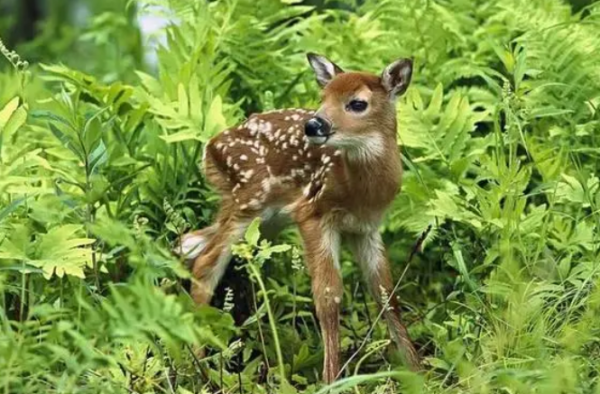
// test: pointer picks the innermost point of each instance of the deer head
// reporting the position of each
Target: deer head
(357, 108)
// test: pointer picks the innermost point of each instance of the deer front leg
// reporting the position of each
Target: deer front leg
(370, 252)
(322, 245)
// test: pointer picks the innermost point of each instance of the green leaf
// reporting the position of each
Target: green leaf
(184, 109)
(4, 212)
(150, 83)
(41, 114)
(280, 248)
(253, 232)
(286, 388)
(462, 267)
(215, 120)
(435, 105)
(9, 250)
(184, 135)
(98, 157)
(64, 138)
(195, 100)
(7, 111)
(342, 385)
(17, 120)
(60, 251)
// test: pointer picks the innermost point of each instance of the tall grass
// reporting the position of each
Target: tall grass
(99, 175)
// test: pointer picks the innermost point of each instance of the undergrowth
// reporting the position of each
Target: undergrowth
(99, 175)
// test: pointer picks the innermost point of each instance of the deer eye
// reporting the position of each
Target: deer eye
(356, 106)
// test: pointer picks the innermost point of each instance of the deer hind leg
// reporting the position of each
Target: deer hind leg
(372, 257)
(193, 243)
(322, 244)
(209, 266)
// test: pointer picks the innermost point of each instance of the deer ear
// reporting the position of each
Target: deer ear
(324, 69)
(396, 77)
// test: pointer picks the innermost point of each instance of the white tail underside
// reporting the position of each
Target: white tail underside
(191, 245)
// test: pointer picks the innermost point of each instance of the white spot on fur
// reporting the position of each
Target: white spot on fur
(254, 203)
(253, 127)
(266, 127)
(248, 174)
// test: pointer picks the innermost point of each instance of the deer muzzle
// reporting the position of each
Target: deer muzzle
(317, 130)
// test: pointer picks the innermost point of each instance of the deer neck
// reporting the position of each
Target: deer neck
(373, 172)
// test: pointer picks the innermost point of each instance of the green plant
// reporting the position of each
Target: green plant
(99, 174)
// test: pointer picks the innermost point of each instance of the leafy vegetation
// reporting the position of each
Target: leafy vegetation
(99, 175)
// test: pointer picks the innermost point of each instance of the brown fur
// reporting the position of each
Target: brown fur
(338, 189)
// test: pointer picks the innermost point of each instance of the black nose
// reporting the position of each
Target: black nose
(317, 127)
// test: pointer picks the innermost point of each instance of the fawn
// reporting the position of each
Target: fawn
(333, 172)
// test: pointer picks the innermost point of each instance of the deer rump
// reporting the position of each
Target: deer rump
(193, 244)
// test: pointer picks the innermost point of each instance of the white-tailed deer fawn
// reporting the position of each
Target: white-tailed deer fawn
(333, 172)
